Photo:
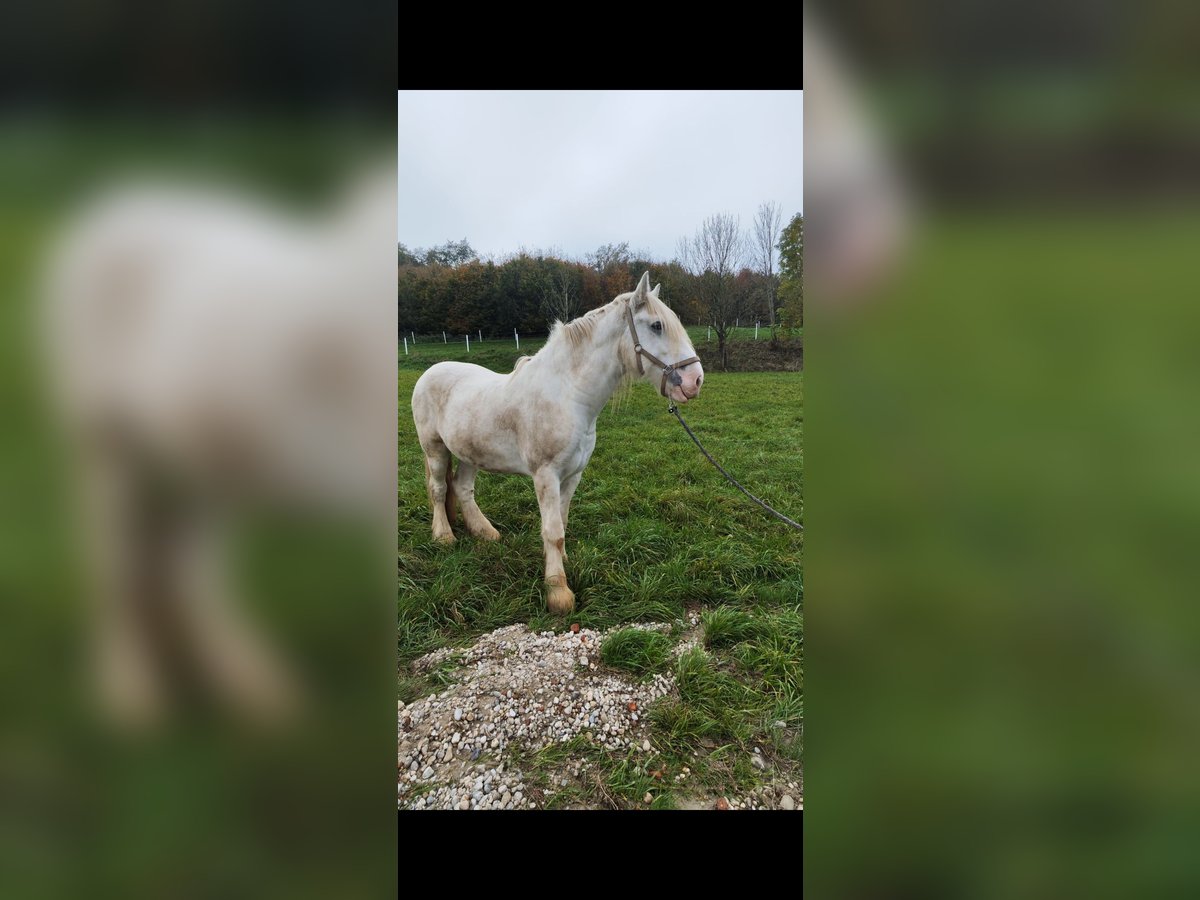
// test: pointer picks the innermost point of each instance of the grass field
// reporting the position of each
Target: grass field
(655, 535)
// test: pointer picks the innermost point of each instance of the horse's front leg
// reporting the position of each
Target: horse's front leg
(560, 599)
(566, 492)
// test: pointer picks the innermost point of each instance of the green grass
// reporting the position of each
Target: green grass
(637, 650)
(654, 534)
(725, 626)
(653, 530)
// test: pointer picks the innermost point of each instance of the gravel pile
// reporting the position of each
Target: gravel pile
(515, 687)
(768, 796)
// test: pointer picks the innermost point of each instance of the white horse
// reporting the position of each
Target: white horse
(210, 354)
(540, 420)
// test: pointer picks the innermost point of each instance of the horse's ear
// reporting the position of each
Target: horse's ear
(641, 292)
(655, 291)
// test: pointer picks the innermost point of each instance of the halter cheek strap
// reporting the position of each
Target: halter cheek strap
(639, 352)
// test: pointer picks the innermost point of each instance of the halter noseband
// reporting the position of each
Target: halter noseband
(639, 352)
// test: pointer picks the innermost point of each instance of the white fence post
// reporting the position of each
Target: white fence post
(443, 337)
(414, 334)
(518, 337)
(709, 338)
(468, 343)
(756, 331)
(481, 335)
(406, 346)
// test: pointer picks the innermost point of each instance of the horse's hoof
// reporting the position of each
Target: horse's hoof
(487, 534)
(560, 599)
(444, 538)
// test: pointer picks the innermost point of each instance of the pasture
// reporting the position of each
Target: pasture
(655, 535)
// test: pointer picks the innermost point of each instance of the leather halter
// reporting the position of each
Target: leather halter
(639, 351)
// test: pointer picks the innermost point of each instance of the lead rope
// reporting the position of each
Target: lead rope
(673, 410)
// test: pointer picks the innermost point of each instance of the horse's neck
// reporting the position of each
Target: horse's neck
(591, 371)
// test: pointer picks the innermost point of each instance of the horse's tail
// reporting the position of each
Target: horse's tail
(451, 515)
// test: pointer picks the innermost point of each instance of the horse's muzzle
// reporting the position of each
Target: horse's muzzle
(687, 384)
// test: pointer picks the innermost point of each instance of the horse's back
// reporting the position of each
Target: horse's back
(440, 380)
(447, 385)
(471, 411)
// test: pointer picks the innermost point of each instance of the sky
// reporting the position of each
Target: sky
(571, 170)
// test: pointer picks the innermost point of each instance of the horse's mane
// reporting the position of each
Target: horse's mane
(579, 330)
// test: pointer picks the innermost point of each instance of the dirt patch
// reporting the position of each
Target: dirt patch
(755, 356)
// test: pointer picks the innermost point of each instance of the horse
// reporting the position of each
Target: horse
(209, 355)
(540, 419)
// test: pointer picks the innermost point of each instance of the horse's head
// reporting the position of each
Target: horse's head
(664, 343)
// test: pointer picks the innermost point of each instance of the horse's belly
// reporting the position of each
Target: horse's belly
(491, 452)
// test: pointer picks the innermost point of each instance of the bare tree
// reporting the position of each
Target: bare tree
(683, 252)
(768, 222)
(608, 255)
(560, 299)
(714, 255)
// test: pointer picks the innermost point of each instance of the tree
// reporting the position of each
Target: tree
(560, 295)
(611, 262)
(678, 290)
(471, 287)
(405, 257)
(606, 256)
(714, 255)
(451, 253)
(764, 239)
(791, 271)
(519, 293)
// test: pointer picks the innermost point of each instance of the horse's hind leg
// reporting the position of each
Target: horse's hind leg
(126, 568)
(437, 468)
(464, 487)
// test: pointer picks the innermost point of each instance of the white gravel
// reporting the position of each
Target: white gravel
(515, 687)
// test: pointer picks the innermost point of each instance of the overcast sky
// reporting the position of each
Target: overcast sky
(576, 169)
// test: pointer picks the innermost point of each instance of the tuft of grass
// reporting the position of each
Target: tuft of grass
(721, 712)
(725, 626)
(445, 673)
(628, 781)
(410, 688)
(606, 782)
(775, 653)
(730, 705)
(637, 650)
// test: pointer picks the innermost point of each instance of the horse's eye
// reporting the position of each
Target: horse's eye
(657, 326)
